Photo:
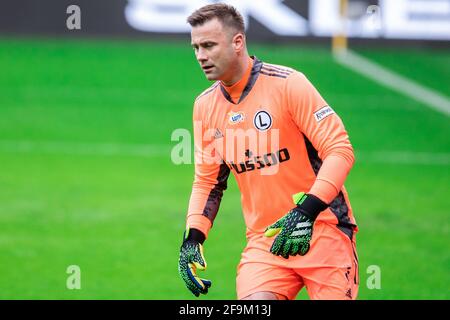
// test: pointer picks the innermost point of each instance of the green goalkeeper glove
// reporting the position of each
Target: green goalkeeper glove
(295, 228)
(191, 259)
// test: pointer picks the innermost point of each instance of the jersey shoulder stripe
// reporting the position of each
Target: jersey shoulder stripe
(273, 74)
(208, 91)
(274, 67)
(276, 71)
(269, 70)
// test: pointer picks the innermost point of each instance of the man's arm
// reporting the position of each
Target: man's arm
(325, 136)
(209, 184)
(326, 133)
(211, 175)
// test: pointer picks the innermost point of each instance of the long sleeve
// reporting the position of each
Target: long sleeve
(325, 131)
(210, 179)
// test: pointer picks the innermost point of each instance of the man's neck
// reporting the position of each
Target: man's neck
(239, 72)
(236, 89)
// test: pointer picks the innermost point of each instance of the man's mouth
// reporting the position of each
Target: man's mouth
(207, 69)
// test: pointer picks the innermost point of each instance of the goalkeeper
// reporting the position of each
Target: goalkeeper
(300, 225)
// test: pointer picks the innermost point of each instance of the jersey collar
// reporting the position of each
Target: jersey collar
(257, 64)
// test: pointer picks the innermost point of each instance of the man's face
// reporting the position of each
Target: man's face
(214, 50)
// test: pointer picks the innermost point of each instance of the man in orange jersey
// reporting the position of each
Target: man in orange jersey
(290, 155)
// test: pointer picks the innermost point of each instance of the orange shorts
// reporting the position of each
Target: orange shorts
(329, 271)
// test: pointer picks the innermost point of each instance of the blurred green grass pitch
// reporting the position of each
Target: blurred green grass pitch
(121, 218)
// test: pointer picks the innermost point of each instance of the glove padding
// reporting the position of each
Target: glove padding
(191, 259)
(295, 228)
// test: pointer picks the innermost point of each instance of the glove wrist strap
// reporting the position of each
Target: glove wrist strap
(311, 206)
(195, 235)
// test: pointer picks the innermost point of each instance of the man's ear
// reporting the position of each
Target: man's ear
(239, 42)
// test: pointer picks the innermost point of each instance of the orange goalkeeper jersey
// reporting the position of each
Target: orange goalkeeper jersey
(274, 139)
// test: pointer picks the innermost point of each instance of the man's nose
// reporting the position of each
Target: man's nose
(201, 55)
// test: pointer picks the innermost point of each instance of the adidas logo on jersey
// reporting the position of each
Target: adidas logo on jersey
(218, 134)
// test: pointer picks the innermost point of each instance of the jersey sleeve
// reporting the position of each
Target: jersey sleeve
(325, 131)
(210, 179)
